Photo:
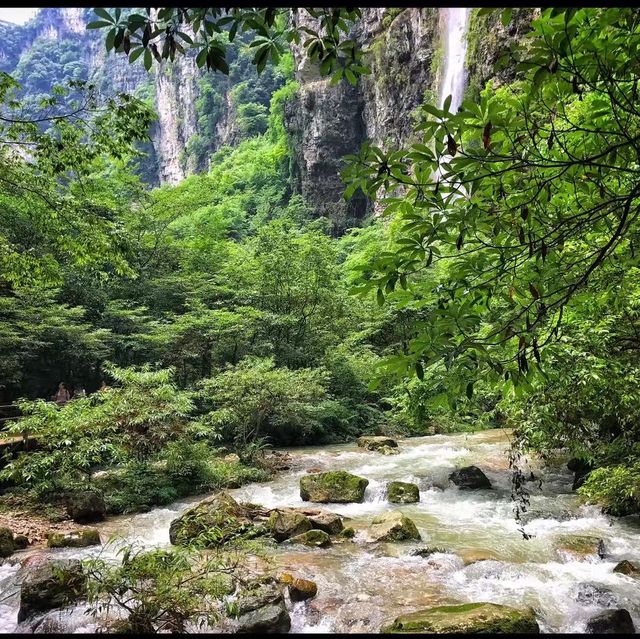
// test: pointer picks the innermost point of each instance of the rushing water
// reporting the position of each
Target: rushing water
(362, 585)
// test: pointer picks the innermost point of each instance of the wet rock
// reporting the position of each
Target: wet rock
(285, 523)
(582, 545)
(268, 620)
(369, 442)
(21, 542)
(334, 486)
(467, 619)
(592, 594)
(299, 589)
(426, 552)
(470, 478)
(50, 584)
(220, 512)
(530, 515)
(611, 622)
(393, 526)
(347, 533)
(399, 492)
(262, 610)
(86, 506)
(74, 539)
(50, 624)
(312, 538)
(475, 555)
(331, 523)
(627, 568)
(387, 450)
(7, 543)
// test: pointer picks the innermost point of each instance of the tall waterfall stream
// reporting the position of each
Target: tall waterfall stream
(362, 585)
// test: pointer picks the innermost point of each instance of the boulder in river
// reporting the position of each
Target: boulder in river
(393, 526)
(312, 538)
(594, 594)
(627, 568)
(299, 589)
(334, 486)
(221, 513)
(400, 492)
(86, 506)
(376, 442)
(470, 478)
(286, 523)
(74, 539)
(7, 542)
(21, 542)
(331, 523)
(473, 618)
(581, 545)
(427, 552)
(261, 609)
(49, 584)
(611, 622)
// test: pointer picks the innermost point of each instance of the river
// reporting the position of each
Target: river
(362, 586)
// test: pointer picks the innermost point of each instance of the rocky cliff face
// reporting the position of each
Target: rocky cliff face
(406, 60)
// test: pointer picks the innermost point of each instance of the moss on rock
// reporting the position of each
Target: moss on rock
(334, 486)
(284, 524)
(317, 538)
(399, 492)
(393, 526)
(467, 619)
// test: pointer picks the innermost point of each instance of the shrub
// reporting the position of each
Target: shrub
(615, 488)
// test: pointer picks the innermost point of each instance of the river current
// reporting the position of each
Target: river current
(362, 586)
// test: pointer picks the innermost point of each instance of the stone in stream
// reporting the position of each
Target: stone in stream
(21, 541)
(262, 610)
(473, 618)
(334, 486)
(7, 542)
(376, 442)
(393, 526)
(286, 523)
(86, 506)
(220, 513)
(427, 552)
(593, 594)
(49, 584)
(400, 492)
(627, 568)
(580, 546)
(580, 470)
(331, 523)
(470, 478)
(74, 539)
(611, 622)
(299, 589)
(312, 538)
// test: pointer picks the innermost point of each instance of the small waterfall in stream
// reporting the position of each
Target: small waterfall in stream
(456, 21)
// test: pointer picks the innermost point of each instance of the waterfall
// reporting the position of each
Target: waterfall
(456, 22)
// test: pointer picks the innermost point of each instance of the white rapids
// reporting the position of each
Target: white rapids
(362, 586)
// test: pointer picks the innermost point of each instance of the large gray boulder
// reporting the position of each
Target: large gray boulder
(611, 622)
(49, 584)
(470, 478)
(86, 506)
(261, 610)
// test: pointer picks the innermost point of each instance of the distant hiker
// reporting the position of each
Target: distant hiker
(80, 392)
(62, 395)
(103, 386)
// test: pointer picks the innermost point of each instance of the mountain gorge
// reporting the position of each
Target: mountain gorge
(198, 113)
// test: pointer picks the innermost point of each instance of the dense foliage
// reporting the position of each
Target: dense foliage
(503, 273)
